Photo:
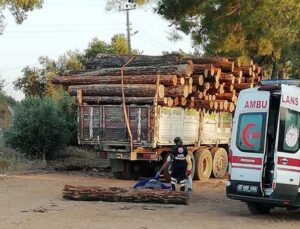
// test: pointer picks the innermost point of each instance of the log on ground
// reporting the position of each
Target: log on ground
(116, 194)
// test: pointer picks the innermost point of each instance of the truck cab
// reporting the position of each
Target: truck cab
(264, 157)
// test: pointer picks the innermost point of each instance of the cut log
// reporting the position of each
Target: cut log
(128, 100)
(204, 104)
(130, 90)
(167, 80)
(198, 79)
(179, 70)
(247, 70)
(176, 101)
(226, 96)
(181, 81)
(117, 61)
(116, 194)
(242, 86)
(206, 60)
(227, 78)
(204, 69)
(179, 90)
(183, 101)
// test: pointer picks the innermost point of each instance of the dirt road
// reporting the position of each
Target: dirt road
(34, 201)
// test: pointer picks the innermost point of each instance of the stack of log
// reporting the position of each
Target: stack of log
(209, 84)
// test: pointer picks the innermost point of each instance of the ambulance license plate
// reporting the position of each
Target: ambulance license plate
(247, 188)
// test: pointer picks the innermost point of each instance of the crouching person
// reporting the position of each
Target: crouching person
(181, 164)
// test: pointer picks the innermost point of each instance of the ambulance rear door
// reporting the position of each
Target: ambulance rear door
(248, 142)
(287, 154)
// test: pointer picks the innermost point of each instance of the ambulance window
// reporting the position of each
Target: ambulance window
(289, 127)
(250, 137)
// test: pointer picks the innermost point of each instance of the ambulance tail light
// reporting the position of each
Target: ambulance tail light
(230, 161)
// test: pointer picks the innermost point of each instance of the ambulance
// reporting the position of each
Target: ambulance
(264, 167)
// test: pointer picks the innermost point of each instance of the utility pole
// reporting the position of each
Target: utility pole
(127, 6)
(128, 31)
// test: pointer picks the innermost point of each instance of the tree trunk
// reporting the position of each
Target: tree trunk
(184, 70)
(115, 194)
(167, 80)
(130, 90)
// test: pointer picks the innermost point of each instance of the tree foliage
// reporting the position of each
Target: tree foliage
(264, 30)
(18, 9)
(117, 45)
(38, 130)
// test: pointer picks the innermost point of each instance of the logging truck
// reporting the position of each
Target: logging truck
(264, 166)
(138, 138)
(130, 108)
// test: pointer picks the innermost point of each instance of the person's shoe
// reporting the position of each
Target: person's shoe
(190, 190)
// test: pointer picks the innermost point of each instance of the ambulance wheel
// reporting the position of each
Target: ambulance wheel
(220, 162)
(258, 208)
(203, 164)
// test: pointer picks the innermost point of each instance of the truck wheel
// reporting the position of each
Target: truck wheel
(203, 164)
(118, 175)
(128, 173)
(258, 208)
(220, 162)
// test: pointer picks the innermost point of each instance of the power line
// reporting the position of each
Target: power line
(17, 67)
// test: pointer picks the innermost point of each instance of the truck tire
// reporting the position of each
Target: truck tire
(203, 164)
(258, 208)
(118, 175)
(220, 162)
(128, 173)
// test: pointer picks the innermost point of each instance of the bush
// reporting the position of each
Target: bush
(38, 130)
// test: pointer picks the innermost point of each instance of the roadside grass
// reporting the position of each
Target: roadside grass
(12, 161)
(75, 158)
(69, 159)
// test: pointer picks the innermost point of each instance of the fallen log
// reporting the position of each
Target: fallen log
(116, 194)
(184, 70)
(167, 80)
(130, 90)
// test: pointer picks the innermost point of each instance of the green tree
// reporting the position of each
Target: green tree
(118, 45)
(36, 81)
(38, 130)
(18, 9)
(263, 30)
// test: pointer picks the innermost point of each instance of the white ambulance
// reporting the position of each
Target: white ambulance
(264, 168)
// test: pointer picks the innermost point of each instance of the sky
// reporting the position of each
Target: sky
(71, 24)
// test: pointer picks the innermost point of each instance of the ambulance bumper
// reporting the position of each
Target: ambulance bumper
(269, 201)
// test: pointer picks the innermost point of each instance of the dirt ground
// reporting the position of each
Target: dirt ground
(35, 201)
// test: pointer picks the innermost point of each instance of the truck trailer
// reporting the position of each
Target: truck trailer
(138, 139)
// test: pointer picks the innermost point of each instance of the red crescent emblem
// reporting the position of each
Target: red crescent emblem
(245, 134)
